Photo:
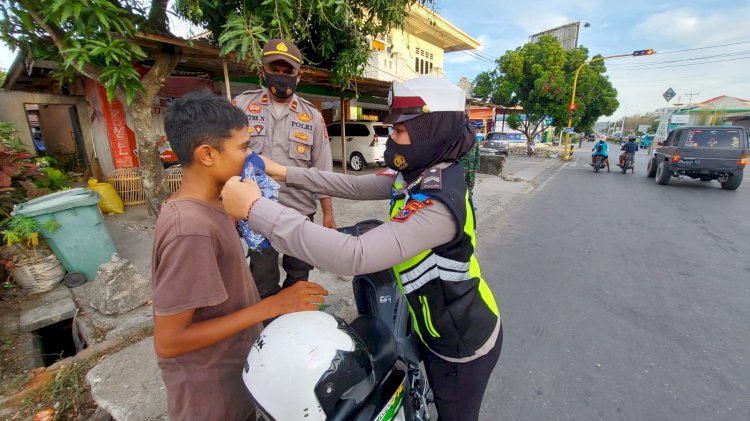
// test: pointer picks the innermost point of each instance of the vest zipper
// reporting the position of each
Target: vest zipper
(427, 318)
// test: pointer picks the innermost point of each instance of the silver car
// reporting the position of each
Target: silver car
(498, 142)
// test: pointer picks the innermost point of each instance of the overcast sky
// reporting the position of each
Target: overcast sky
(710, 68)
(715, 33)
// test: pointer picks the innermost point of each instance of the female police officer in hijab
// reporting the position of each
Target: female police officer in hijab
(428, 240)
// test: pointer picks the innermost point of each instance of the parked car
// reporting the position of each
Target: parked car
(498, 142)
(702, 152)
(365, 143)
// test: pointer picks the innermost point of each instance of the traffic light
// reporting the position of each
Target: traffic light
(644, 52)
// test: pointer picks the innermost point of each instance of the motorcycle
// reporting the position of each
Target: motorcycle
(599, 163)
(397, 388)
(380, 305)
(628, 163)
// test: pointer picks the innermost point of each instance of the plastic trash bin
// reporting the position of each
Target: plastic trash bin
(82, 242)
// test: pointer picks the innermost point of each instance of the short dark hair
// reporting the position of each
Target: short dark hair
(201, 118)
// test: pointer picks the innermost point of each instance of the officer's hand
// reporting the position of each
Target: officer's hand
(328, 221)
(274, 169)
(301, 296)
(236, 196)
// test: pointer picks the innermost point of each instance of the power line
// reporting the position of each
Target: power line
(737, 53)
(702, 48)
(678, 65)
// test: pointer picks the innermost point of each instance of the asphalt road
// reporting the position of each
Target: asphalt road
(621, 299)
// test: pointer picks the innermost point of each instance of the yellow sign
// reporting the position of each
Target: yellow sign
(282, 47)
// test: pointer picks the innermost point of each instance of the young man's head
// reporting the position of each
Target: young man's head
(281, 68)
(206, 130)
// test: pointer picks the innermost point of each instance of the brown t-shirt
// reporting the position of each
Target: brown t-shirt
(198, 263)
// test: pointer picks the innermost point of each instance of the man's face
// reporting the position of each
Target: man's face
(231, 159)
(283, 73)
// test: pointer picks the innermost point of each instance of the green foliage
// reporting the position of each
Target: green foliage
(539, 77)
(332, 34)
(17, 170)
(20, 230)
(85, 32)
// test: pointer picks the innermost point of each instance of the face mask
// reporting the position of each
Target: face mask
(282, 87)
(410, 160)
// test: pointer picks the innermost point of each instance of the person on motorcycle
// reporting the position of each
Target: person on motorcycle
(600, 149)
(429, 240)
(630, 147)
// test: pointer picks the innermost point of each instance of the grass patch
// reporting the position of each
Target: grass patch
(65, 392)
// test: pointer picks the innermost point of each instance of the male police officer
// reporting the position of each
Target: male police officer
(289, 130)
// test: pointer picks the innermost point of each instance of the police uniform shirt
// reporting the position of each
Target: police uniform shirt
(295, 136)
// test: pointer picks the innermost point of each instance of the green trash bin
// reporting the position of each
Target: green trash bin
(82, 242)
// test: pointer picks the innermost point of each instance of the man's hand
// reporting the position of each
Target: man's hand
(301, 296)
(328, 221)
(236, 196)
(274, 169)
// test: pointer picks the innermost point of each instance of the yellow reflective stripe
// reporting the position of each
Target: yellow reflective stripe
(474, 270)
(427, 318)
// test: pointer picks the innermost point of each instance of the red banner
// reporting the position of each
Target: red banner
(121, 138)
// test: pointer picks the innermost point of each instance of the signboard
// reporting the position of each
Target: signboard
(680, 119)
(643, 128)
(568, 130)
(669, 94)
(121, 138)
(566, 34)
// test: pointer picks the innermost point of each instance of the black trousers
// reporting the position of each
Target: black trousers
(459, 387)
(265, 269)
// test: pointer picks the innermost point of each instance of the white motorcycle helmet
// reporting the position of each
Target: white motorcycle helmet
(305, 365)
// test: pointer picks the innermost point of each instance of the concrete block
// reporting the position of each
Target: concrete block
(491, 164)
(119, 287)
(46, 309)
(128, 384)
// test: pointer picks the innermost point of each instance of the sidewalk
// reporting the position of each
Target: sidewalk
(128, 384)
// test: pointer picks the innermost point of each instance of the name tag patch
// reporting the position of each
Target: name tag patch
(254, 108)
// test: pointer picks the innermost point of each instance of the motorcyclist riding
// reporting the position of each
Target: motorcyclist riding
(630, 147)
(600, 149)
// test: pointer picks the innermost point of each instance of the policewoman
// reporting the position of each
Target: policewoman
(291, 131)
(429, 239)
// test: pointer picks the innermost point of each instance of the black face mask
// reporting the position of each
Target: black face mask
(413, 159)
(282, 87)
(410, 160)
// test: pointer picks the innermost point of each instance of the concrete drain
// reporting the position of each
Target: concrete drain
(59, 341)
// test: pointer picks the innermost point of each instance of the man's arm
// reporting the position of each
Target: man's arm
(322, 160)
(176, 334)
(327, 206)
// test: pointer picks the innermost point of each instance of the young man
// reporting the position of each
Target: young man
(600, 149)
(290, 130)
(207, 312)
(630, 148)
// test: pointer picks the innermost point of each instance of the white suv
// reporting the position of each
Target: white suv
(365, 143)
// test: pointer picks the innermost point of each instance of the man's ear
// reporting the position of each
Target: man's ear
(205, 154)
(299, 76)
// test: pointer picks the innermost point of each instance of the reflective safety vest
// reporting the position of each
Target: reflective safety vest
(453, 310)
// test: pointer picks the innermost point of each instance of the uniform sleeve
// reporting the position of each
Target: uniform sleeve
(321, 150)
(355, 187)
(187, 276)
(382, 247)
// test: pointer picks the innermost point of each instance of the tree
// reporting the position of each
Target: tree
(96, 39)
(539, 77)
(3, 75)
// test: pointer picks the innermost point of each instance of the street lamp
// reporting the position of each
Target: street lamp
(572, 107)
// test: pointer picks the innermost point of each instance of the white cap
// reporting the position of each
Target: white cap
(423, 94)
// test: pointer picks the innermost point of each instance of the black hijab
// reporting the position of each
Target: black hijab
(443, 136)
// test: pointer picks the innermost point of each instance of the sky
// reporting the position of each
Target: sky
(702, 47)
(692, 41)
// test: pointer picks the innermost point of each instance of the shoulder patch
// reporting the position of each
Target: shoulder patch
(293, 106)
(411, 208)
(387, 172)
(432, 179)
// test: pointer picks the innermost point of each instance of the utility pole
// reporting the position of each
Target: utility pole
(690, 101)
